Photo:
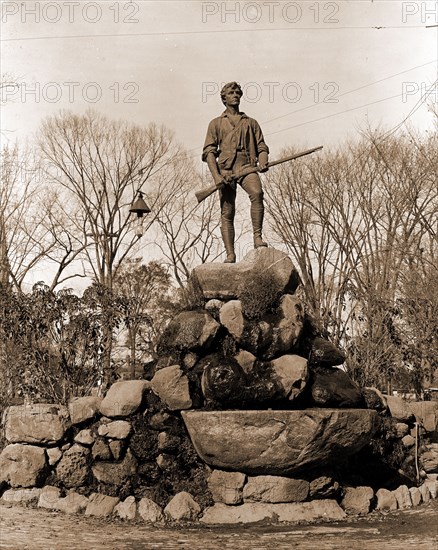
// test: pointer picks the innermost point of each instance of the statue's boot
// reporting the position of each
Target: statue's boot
(257, 213)
(227, 231)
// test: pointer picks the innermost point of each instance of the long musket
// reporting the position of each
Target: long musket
(207, 191)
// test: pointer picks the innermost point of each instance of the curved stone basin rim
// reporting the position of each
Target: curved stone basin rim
(278, 442)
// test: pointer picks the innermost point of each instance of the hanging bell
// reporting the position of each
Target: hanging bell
(139, 206)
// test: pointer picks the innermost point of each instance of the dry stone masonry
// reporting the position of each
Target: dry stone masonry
(246, 417)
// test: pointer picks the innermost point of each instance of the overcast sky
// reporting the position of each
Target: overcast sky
(313, 73)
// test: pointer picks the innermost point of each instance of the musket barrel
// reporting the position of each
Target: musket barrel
(206, 192)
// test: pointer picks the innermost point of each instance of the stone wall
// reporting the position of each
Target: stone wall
(246, 417)
(128, 455)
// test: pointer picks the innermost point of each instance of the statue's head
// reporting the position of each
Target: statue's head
(228, 87)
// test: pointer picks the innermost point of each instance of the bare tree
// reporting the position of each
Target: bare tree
(35, 229)
(350, 220)
(101, 164)
(188, 232)
(300, 205)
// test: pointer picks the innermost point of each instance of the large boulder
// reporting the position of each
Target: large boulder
(226, 281)
(225, 382)
(275, 489)
(273, 334)
(334, 388)
(115, 473)
(172, 386)
(279, 442)
(123, 398)
(23, 465)
(82, 409)
(39, 423)
(73, 468)
(189, 330)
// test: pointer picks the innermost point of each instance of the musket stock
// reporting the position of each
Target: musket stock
(207, 191)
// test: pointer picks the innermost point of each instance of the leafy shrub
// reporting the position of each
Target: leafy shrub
(260, 295)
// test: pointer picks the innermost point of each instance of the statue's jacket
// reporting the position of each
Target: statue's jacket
(224, 140)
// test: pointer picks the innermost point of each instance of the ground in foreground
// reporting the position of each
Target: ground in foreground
(26, 528)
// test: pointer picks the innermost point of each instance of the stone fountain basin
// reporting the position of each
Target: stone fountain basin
(279, 442)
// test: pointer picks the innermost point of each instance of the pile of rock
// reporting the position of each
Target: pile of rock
(250, 343)
(244, 499)
(87, 458)
(169, 448)
(101, 456)
(416, 426)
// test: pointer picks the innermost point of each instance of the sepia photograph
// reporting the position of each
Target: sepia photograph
(219, 274)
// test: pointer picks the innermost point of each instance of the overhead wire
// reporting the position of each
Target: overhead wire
(211, 31)
(352, 91)
(342, 112)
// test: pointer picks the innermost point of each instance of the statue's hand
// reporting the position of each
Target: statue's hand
(263, 167)
(230, 181)
(220, 181)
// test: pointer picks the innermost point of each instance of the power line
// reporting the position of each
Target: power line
(411, 112)
(170, 33)
(351, 91)
(334, 114)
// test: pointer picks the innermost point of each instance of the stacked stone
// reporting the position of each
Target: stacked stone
(80, 458)
(416, 426)
(248, 499)
(88, 456)
(250, 343)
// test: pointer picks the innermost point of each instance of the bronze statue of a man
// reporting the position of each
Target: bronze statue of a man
(235, 141)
